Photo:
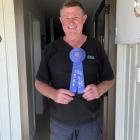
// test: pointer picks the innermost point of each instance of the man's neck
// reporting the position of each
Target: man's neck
(76, 42)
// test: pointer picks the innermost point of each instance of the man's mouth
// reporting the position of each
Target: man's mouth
(71, 27)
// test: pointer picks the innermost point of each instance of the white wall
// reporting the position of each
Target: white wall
(127, 24)
(128, 61)
(10, 119)
(127, 94)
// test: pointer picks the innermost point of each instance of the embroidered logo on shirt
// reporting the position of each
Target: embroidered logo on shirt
(90, 57)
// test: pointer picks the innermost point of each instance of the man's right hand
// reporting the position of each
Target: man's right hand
(63, 96)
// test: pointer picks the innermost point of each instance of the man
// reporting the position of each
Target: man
(73, 113)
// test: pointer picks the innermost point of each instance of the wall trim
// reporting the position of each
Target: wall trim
(120, 90)
(20, 40)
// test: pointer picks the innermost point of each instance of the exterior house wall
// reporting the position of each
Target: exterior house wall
(128, 64)
(10, 118)
(127, 24)
(127, 92)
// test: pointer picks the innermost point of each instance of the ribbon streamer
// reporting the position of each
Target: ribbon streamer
(77, 84)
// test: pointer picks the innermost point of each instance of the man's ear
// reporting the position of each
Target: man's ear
(84, 18)
(60, 19)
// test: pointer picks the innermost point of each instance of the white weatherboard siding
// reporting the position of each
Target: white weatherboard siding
(128, 65)
(128, 93)
(127, 24)
(4, 107)
(10, 128)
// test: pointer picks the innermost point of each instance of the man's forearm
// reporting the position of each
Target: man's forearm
(45, 89)
(104, 86)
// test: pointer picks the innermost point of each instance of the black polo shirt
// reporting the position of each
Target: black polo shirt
(56, 68)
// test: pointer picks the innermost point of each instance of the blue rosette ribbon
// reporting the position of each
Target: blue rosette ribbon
(77, 84)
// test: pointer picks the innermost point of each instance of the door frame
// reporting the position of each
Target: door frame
(14, 91)
(112, 54)
(20, 36)
(109, 45)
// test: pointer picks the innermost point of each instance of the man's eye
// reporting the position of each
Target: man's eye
(77, 17)
(71, 18)
(66, 18)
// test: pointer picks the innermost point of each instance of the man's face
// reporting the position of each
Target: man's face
(72, 19)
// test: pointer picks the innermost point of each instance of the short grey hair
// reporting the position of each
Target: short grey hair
(72, 3)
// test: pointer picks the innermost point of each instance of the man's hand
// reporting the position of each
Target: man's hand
(91, 92)
(63, 96)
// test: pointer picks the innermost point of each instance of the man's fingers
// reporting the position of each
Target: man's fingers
(89, 97)
(64, 96)
(65, 101)
(67, 92)
(87, 94)
(87, 88)
(67, 97)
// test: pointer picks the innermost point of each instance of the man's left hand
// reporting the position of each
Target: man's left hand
(91, 92)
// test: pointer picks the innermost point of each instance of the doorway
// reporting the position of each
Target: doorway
(110, 134)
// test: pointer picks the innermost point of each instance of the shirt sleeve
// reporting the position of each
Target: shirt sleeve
(106, 72)
(43, 73)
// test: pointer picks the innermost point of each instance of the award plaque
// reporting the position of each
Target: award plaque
(77, 84)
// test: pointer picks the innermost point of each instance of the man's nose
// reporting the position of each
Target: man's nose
(71, 20)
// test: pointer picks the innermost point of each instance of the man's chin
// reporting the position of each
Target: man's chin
(72, 35)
